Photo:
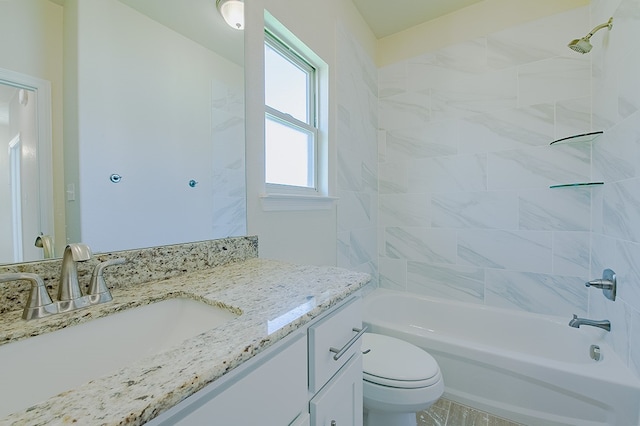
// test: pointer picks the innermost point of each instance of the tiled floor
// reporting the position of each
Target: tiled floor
(448, 413)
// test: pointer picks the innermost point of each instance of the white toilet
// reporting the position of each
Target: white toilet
(400, 379)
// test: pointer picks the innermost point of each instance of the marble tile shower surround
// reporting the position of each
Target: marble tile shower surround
(616, 222)
(357, 212)
(228, 197)
(143, 265)
(465, 208)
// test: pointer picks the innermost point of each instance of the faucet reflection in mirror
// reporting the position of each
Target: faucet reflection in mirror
(45, 242)
(70, 297)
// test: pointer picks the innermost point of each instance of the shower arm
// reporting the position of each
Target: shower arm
(608, 24)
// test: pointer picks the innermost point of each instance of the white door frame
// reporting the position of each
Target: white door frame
(44, 135)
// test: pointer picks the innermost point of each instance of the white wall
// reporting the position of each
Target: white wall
(159, 110)
(298, 236)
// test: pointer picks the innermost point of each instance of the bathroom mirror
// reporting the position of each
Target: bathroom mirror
(153, 94)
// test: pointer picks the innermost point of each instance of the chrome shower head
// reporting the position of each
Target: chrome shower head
(580, 45)
(583, 45)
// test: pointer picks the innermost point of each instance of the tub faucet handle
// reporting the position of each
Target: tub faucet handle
(600, 283)
(607, 284)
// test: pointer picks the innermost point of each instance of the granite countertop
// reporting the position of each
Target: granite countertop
(257, 289)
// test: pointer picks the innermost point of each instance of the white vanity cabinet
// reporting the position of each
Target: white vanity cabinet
(298, 381)
(269, 389)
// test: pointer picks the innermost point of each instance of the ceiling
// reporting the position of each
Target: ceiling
(386, 17)
(194, 18)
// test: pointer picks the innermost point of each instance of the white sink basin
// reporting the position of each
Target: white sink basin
(40, 367)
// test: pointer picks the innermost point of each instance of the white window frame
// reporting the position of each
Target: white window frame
(309, 125)
(290, 197)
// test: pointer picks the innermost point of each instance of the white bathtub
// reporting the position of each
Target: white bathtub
(529, 368)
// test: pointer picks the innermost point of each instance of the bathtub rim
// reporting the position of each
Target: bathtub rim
(611, 368)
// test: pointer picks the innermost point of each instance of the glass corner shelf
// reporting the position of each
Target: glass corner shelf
(568, 185)
(583, 137)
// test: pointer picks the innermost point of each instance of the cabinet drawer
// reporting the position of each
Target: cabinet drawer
(334, 332)
(340, 402)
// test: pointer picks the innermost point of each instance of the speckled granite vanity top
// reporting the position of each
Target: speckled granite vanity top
(259, 290)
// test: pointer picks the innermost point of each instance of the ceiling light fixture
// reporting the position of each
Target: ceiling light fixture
(233, 12)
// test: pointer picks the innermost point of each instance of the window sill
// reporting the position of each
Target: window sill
(283, 202)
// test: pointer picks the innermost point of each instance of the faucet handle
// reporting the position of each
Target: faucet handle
(98, 290)
(39, 303)
(607, 283)
(600, 283)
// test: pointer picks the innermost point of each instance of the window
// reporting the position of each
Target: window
(291, 129)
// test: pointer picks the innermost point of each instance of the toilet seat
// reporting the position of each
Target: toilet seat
(415, 367)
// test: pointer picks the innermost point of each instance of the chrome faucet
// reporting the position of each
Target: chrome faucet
(577, 322)
(69, 293)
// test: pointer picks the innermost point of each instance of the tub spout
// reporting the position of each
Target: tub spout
(577, 322)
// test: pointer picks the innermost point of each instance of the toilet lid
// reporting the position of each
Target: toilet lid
(393, 362)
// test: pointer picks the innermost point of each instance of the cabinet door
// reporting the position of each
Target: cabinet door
(339, 403)
(271, 393)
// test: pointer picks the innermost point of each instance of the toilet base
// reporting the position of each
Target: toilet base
(379, 418)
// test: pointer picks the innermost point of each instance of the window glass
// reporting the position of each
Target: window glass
(286, 85)
(290, 118)
(287, 152)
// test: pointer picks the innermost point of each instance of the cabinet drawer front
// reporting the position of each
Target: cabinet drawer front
(330, 335)
(340, 402)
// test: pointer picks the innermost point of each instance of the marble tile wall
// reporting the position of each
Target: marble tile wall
(229, 192)
(616, 159)
(465, 208)
(357, 208)
(465, 165)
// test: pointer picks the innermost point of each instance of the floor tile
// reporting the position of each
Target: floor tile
(448, 413)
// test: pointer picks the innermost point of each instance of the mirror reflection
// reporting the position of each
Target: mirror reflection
(24, 212)
(150, 91)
